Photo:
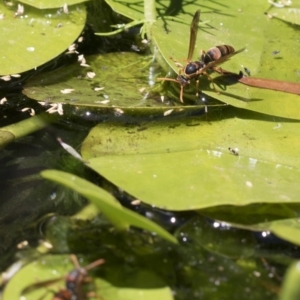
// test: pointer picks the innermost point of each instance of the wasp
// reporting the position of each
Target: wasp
(74, 282)
(207, 63)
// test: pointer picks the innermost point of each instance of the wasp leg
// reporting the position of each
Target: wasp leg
(197, 87)
(218, 70)
(212, 82)
(93, 295)
(181, 93)
(202, 55)
(75, 261)
(94, 264)
(177, 63)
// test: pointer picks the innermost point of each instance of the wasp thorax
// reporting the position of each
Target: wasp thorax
(191, 68)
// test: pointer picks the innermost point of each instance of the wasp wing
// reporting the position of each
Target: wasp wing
(193, 34)
(221, 60)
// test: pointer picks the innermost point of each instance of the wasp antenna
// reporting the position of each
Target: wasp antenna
(94, 264)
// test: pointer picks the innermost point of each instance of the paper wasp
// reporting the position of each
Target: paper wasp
(208, 61)
(74, 282)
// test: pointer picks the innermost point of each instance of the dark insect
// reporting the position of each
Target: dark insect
(208, 62)
(247, 71)
(74, 282)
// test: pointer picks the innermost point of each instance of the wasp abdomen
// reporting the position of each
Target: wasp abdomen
(217, 52)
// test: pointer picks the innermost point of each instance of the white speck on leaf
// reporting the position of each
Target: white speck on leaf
(249, 184)
(67, 91)
(30, 49)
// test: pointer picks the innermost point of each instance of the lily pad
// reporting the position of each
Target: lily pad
(113, 78)
(239, 25)
(184, 165)
(36, 36)
(142, 284)
(118, 82)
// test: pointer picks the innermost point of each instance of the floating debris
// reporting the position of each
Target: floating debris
(30, 49)
(280, 4)
(82, 61)
(65, 8)
(97, 89)
(246, 70)
(20, 10)
(249, 184)
(135, 48)
(278, 126)
(32, 111)
(90, 75)
(72, 49)
(118, 112)
(103, 101)
(15, 75)
(136, 202)
(168, 112)
(69, 149)
(3, 100)
(6, 78)
(55, 107)
(22, 244)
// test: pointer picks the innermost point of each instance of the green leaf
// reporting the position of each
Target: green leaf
(140, 285)
(49, 268)
(106, 203)
(290, 287)
(184, 165)
(42, 4)
(131, 9)
(37, 36)
(239, 25)
(287, 229)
